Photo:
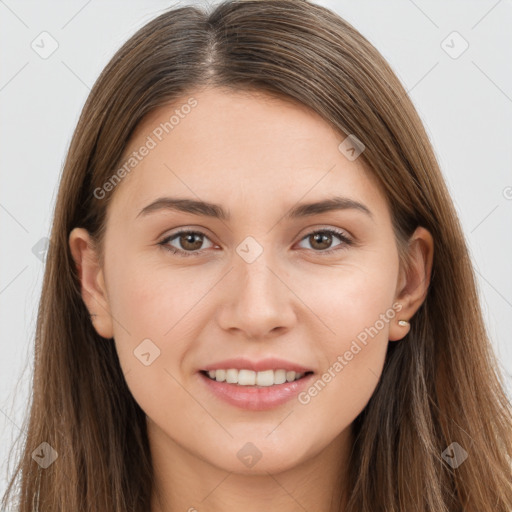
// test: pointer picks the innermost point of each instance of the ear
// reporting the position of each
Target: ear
(413, 282)
(92, 281)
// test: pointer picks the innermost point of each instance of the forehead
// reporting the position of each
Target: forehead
(222, 144)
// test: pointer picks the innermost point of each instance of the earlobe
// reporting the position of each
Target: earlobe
(414, 282)
(399, 327)
(92, 281)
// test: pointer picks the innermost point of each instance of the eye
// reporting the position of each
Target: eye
(189, 241)
(322, 239)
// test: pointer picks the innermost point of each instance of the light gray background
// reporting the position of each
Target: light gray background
(465, 103)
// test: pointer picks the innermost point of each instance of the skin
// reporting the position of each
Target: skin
(258, 157)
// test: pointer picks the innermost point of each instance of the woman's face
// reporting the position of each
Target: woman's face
(262, 277)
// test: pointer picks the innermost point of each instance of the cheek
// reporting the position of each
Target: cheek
(357, 307)
(150, 301)
(152, 310)
(150, 298)
(141, 313)
(350, 299)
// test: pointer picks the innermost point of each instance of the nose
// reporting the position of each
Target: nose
(259, 303)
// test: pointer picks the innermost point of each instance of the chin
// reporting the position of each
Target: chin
(259, 456)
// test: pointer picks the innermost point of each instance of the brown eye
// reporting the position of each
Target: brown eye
(188, 243)
(322, 240)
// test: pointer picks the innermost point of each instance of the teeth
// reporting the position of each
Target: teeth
(250, 378)
(290, 376)
(279, 376)
(231, 376)
(265, 378)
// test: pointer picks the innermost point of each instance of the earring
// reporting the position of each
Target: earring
(403, 323)
(93, 314)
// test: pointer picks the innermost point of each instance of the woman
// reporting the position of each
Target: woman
(258, 293)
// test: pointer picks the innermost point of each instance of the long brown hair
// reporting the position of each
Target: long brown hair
(439, 386)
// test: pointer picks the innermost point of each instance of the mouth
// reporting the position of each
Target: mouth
(255, 391)
(253, 379)
(255, 385)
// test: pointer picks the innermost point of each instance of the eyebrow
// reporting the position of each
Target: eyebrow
(216, 211)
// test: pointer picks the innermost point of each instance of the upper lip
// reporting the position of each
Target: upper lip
(270, 363)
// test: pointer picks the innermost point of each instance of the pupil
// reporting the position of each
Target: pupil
(319, 236)
(189, 239)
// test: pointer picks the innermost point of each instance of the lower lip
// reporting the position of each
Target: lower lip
(256, 398)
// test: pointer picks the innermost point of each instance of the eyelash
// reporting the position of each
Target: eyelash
(345, 241)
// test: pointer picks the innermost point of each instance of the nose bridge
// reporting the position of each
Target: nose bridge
(258, 299)
(256, 271)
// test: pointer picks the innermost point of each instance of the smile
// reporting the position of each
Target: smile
(251, 378)
(266, 393)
